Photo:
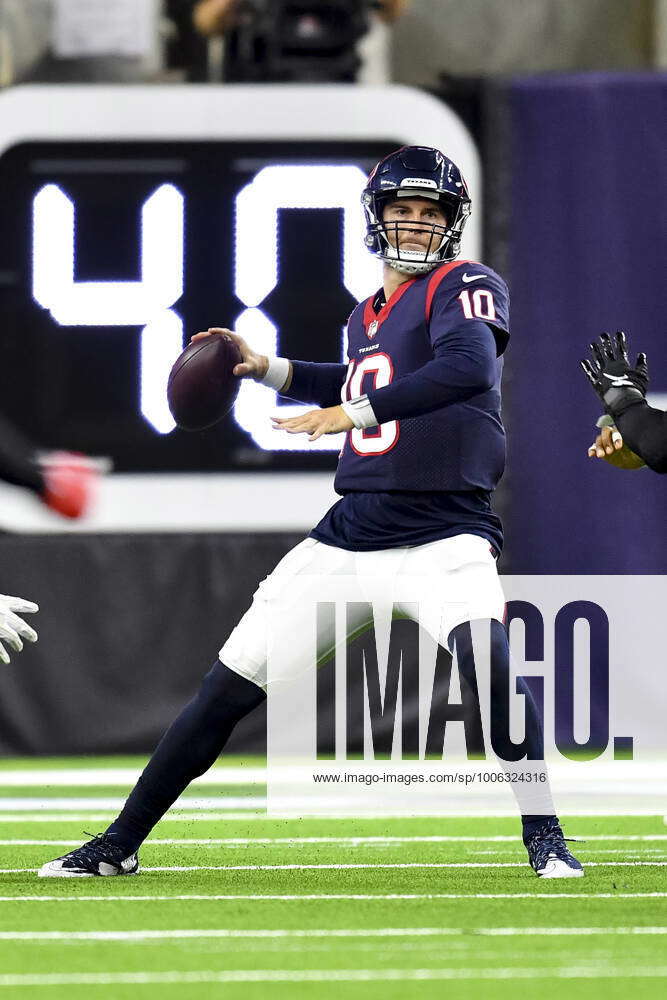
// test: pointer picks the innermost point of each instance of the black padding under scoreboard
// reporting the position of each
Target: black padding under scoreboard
(128, 624)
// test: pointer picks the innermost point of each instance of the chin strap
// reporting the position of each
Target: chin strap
(405, 267)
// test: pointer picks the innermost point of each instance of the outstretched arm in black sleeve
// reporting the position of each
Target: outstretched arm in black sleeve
(622, 389)
(644, 430)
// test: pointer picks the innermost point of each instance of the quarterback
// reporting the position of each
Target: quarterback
(425, 447)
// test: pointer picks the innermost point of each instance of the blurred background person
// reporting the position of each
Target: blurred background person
(80, 41)
(242, 41)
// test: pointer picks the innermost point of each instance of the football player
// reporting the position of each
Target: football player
(633, 433)
(425, 448)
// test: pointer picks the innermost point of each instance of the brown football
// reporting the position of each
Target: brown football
(201, 387)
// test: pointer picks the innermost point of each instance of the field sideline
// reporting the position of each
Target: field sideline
(237, 905)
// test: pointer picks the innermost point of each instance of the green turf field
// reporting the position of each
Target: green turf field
(232, 904)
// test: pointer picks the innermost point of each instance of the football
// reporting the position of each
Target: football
(201, 387)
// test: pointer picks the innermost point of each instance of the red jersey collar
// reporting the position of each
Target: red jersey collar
(369, 310)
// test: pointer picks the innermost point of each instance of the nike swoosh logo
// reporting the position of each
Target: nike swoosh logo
(619, 380)
(473, 277)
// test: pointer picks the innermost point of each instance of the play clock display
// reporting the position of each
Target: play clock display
(116, 248)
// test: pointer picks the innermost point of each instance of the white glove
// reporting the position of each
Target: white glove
(12, 628)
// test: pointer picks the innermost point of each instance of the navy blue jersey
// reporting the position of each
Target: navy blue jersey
(429, 361)
(366, 522)
(460, 446)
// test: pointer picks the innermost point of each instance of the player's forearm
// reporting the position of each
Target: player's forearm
(18, 461)
(462, 368)
(315, 383)
(644, 430)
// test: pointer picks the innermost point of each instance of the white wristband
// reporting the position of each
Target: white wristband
(276, 374)
(360, 412)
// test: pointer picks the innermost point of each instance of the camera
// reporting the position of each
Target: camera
(305, 41)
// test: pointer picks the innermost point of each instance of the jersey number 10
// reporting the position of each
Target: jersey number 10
(477, 304)
(381, 439)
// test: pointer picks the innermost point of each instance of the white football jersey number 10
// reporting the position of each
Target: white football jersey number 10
(383, 438)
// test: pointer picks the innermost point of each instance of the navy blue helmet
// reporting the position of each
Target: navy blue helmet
(411, 172)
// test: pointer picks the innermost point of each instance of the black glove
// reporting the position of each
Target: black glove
(616, 382)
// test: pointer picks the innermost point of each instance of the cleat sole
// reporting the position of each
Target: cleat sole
(558, 869)
(47, 872)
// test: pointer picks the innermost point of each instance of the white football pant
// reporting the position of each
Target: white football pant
(460, 573)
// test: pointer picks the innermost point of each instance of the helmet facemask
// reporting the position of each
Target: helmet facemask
(445, 238)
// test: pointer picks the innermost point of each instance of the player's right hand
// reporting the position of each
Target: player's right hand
(253, 366)
(12, 628)
(609, 445)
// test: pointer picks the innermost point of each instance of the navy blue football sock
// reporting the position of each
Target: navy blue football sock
(532, 745)
(187, 750)
(533, 823)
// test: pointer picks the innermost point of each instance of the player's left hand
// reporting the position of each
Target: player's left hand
(12, 628)
(315, 423)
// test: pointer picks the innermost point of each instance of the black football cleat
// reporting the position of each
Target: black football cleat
(548, 853)
(99, 856)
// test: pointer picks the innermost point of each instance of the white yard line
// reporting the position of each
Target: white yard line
(106, 817)
(339, 841)
(326, 897)
(356, 867)
(116, 804)
(139, 936)
(101, 776)
(606, 970)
